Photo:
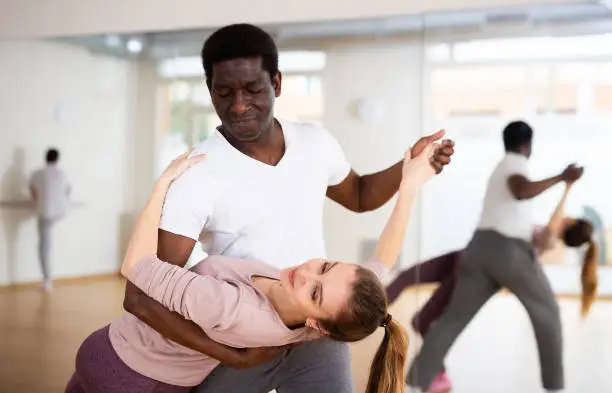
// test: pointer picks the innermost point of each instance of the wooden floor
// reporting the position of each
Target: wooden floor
(39, 335)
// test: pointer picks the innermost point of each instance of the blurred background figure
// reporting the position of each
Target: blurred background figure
(50, 190)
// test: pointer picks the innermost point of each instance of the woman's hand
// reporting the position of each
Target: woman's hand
(418, 170)
(145, 234)
(443, 152)
(179, 165)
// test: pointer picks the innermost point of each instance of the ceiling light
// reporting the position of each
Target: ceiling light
(134, 46)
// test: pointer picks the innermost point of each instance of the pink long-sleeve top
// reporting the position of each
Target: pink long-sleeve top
(219, 296)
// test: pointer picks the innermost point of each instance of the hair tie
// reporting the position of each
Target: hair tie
(386, 321)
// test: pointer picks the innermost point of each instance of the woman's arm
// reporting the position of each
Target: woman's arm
(187, 333)
(556, 220)
(415, 173)
(143, 242)
(205, 300)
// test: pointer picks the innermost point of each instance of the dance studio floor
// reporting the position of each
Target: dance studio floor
(40, 334)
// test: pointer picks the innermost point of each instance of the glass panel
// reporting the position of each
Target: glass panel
(288, 61)
(533, 48)
(301, 98)
(204, 125)
(301, 61)
(201, 95)
(180, 67)
(602, 100)
(493, 90)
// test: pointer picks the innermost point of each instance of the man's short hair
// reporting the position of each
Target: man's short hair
(239, 41)
(516, 134)
(52, 156)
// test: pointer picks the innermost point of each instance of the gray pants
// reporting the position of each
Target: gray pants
(490, 262)
(44, 245)
(321, 366)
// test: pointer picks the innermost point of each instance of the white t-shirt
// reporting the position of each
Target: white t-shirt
(51, 186)
(248, 209)
(501, 211)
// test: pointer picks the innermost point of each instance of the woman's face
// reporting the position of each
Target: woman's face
(318, 287)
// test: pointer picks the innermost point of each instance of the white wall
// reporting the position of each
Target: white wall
(392, 75)
(33, 18)
(97, 146)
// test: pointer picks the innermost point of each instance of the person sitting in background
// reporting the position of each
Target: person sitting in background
(50, 190)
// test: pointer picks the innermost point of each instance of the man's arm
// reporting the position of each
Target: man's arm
(365, 193)
(369, 192)
(522, 188)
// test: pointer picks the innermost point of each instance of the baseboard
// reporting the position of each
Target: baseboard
(61, 281)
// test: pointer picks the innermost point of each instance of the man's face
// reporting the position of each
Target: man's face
(243, 96)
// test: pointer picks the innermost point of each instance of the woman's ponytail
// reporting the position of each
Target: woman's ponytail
(588, 278)
(387, 370)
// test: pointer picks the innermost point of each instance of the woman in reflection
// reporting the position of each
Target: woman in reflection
(443, 269)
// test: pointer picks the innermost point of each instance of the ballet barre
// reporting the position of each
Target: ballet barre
(30, 204)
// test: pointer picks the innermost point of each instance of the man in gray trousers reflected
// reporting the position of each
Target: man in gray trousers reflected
(500, 255)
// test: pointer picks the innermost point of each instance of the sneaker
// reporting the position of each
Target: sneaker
(47, 286)
(440, 384)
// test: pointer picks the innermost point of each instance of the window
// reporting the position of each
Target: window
(562, 86)
(200, 95)
(602, 100)
(179, 102)
(438, 53)
(479, 90)
(301, 61)
(180, 67)
(533, 48)
(301, 99)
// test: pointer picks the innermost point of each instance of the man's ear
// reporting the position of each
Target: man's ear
(314, 324)
(276, 83)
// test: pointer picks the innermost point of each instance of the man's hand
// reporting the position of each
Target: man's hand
(572, 173)
(442, 155)
(251, 357)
